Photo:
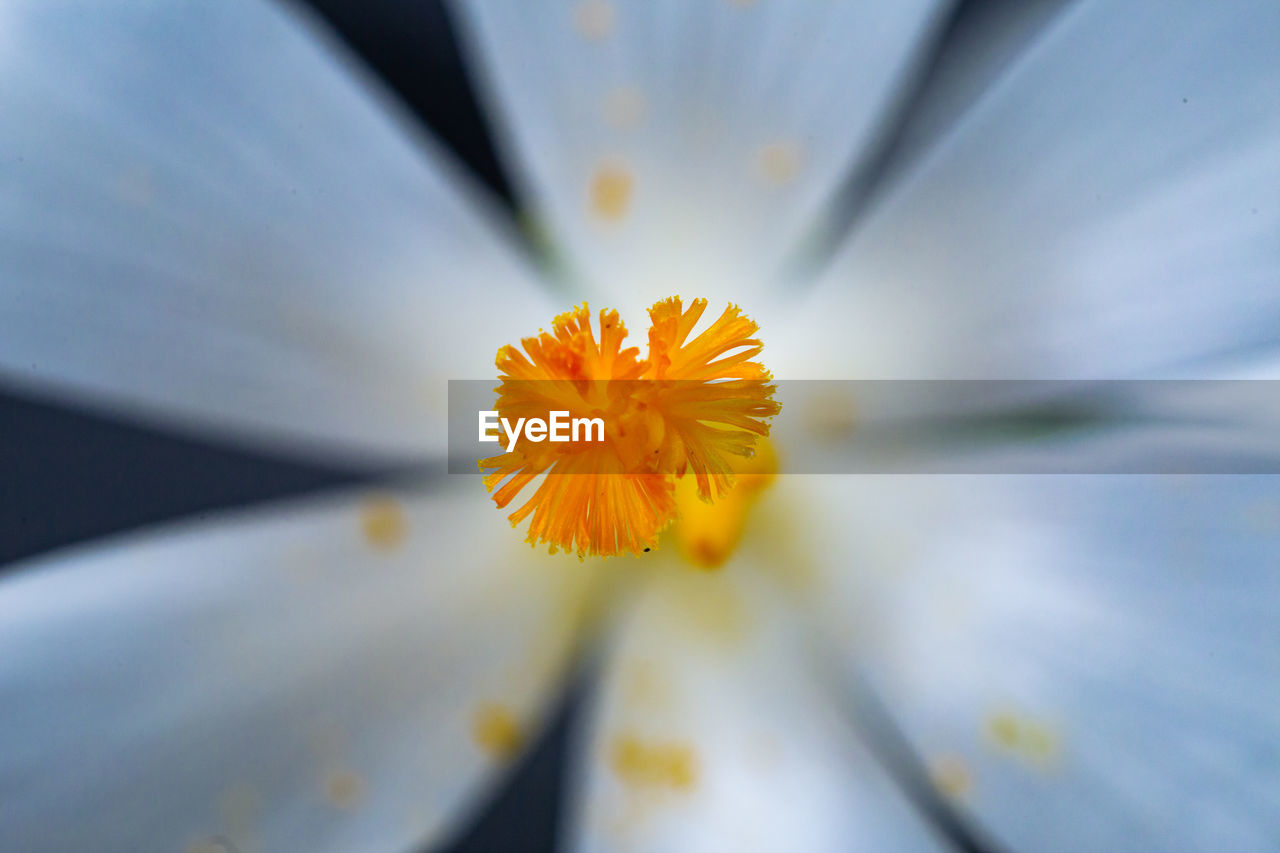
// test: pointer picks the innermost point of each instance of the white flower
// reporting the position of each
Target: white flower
(206, 218)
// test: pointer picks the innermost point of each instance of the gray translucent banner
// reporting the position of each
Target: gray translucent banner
(956, 426)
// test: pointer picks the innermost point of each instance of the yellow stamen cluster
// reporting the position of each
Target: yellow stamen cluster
(708, 533)
(692, 406)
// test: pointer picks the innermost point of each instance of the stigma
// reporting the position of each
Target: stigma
(680, 422)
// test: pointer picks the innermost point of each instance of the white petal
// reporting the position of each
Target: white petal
(293, 681)
(981, 41)
(208, 215)
(1090, 663)
(1108, 209)
(733, 121)
(712, 731)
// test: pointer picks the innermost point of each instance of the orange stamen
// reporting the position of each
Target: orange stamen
(692, 405)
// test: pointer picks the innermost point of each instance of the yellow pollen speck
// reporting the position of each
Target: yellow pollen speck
(779, 162)
(1039, 744)
(951, 776)
(1003, 728)
(593, 19)
(384, 524)
(497, 731)
(624, 109)
(643, 763)
(611, 189)
(344, 789)
(1028, 740)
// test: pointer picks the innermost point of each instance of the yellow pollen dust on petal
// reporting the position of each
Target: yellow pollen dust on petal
(611, 189)
(344, 789)
(383, 522)
(497, 730)
(951, 776)
(1003, 729)
(696, 406)
(655, 764)
(594, 19)
(1029, 740)
(779, 162)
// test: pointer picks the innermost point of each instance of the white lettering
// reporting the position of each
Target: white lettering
(512, 434)
(559, 423)
(560, 428)
(587, 424)
(488, 421)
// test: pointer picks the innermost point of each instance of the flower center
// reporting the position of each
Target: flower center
(708, 533)
(691, 407)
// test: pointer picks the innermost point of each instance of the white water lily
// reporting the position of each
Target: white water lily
(209, 219)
